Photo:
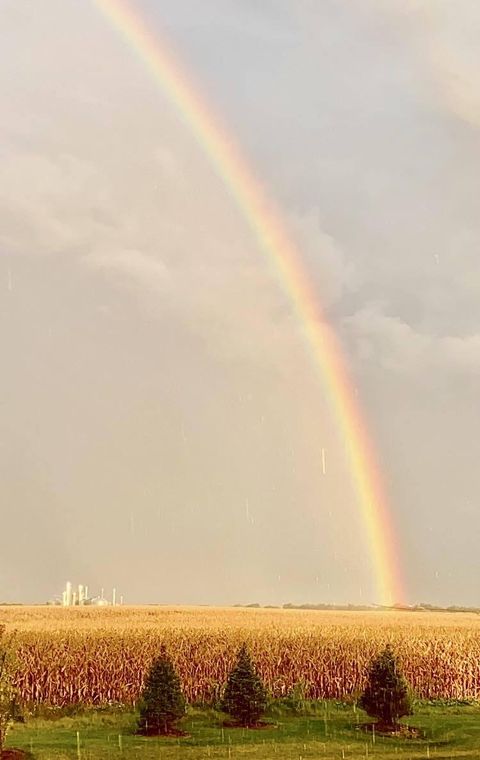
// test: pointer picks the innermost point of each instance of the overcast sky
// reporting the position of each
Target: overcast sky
(161, 420)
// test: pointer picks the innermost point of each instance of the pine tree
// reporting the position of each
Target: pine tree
(245, 697)
(162, 702)
(386, 695)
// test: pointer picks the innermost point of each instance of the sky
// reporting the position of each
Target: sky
(162, 421)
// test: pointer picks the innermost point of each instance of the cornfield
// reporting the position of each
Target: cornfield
(100, 656)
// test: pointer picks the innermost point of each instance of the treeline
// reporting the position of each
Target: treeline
(422, 607)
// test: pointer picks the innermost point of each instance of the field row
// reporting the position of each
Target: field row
(108, 666)
(153, 617)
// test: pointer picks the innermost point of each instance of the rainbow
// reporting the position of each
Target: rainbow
(273, 239)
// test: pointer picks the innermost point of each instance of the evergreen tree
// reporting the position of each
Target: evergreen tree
(245, 697)
(162, 702)
(386, 695)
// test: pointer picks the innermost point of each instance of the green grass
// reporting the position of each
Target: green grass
(329, 732)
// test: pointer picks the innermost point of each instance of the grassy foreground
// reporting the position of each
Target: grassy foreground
(331, 732)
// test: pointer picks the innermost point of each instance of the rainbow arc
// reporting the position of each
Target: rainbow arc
(273, 239)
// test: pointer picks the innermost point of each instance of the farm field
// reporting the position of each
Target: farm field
(98, 657)
(40, 618)
(332, 732)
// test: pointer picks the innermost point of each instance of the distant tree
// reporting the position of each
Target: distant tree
(245, 696)
(386, 695)
(7, 689)
(162, 703)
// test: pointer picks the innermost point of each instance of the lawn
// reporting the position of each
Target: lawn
(331, 732)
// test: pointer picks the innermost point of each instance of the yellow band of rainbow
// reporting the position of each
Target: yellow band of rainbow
(273, 239)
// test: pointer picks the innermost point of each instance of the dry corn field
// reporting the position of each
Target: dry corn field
(100, 656)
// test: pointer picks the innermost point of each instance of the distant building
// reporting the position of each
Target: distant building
(98, 601)
(79, 597)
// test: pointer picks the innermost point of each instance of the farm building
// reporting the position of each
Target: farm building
(78, 596)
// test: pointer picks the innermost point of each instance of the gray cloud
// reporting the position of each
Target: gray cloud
(399, 348)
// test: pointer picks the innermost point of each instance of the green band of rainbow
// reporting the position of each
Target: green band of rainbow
(274, 241)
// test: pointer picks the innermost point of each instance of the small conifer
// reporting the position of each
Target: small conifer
(386, 695)
(162, 702)
(245, 697)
